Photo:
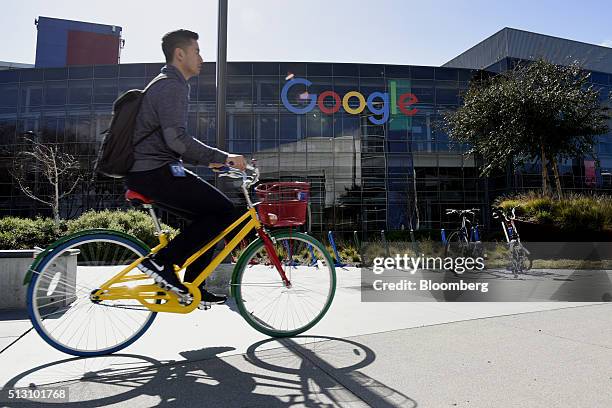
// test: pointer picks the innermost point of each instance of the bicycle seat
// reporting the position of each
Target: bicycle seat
(137, 198)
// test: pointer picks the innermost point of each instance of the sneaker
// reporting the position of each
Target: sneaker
(209, 298)
(163, 275)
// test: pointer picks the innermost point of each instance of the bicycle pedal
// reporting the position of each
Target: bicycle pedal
(204, 306)
(185, 300)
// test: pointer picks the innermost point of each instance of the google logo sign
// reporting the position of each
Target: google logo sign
(390, 102)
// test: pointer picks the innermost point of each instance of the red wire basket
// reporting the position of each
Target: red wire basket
(283, 204)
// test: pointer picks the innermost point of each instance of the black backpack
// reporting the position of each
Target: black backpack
(116, 155)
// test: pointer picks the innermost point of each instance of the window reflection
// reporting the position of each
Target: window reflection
(362, 175)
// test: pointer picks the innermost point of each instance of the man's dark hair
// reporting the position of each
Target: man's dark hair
(176, 39)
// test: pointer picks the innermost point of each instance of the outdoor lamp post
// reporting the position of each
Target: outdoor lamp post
(221, 72)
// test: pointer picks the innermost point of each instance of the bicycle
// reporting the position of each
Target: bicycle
(87, 298)
(465, 240)
(519, 255)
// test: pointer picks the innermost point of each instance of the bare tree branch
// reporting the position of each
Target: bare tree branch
(53, 165)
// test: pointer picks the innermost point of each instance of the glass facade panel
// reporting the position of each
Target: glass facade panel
(83, 72)
(79, 92)
(29, 75)
(207, 90)
(422, 72)
(132, 70)
(9, 76)
(298, 69)
(362, 175)
(106, 71)
(55, 93)
(125, 84)
(9, 95)
(266, 91)
(31, 96)
(56, 74)
(346, 70)
(239, 92)
(265, 68)
(240, 68)
(105, 90)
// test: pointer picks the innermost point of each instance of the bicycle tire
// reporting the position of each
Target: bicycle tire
(97, 255)
(457, 245)
(261, 295)
(527, 261)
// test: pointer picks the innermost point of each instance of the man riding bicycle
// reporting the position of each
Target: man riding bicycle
(158, 171)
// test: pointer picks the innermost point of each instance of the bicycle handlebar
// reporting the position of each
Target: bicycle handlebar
(231, 172)
(500, 211)
(461, 212)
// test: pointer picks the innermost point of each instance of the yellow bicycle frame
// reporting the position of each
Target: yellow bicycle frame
(148, 295)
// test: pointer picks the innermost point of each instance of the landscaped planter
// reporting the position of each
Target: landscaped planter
(14, 265)
(551, 233)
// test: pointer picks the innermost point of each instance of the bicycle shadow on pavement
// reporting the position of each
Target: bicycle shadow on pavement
(308, 357)
(146, 381)
(305, 377)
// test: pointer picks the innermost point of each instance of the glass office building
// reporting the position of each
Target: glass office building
(371, 165)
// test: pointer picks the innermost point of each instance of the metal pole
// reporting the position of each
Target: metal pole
(221, 66)
(338, 262)
(385, 243)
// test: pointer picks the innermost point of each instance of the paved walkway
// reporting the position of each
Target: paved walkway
(427, 354)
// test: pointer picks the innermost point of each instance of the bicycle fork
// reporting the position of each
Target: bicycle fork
(273, 256)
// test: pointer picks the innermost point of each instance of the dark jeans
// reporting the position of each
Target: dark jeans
(208, 209)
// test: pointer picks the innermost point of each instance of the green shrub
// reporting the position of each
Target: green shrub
(580, 213)
(25, 233)
(574, 212)
(543, 217)
(538, 204)
(132, 222)
(349, 254)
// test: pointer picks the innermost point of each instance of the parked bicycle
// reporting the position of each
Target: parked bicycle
(465, 240)
(86, 296)
(519, 255)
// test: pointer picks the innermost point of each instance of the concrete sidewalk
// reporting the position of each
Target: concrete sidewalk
(379, 354)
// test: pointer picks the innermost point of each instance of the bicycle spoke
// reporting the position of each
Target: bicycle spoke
(279, 309)
(65, 314)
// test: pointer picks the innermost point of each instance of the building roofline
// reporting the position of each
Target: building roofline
(79, 21)
(507, 29)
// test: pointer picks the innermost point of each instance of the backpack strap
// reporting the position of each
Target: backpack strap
(154, 81)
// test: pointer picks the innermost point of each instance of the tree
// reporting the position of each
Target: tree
(537, 111)
(60, 172)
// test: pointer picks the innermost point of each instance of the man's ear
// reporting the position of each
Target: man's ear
(179, 54)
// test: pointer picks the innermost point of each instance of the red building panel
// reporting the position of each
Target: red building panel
(85, 48)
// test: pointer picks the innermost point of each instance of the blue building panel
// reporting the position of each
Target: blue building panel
(52, 39)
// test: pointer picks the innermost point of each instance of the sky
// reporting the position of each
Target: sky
(379, 31)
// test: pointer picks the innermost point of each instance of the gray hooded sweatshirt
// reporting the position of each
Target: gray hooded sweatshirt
(164, 106)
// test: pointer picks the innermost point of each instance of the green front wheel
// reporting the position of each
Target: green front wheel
(269, 305)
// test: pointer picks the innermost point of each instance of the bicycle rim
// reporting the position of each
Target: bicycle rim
(59, 300)
(456, 246)
(271, 307)
(527, 261)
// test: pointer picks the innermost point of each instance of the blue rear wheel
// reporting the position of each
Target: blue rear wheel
(60, 304)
